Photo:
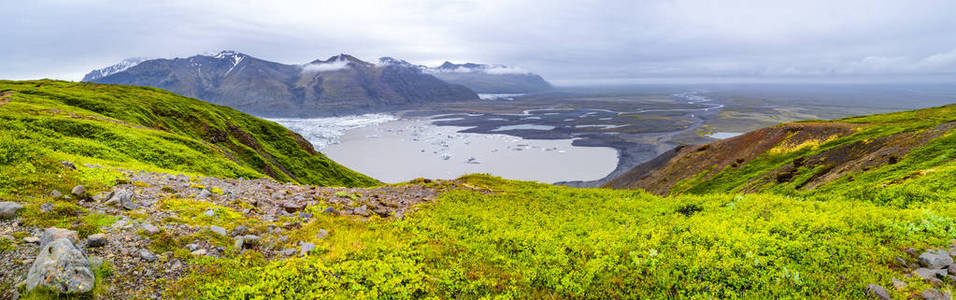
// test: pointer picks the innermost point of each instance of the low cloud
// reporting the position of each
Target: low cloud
(336, 65)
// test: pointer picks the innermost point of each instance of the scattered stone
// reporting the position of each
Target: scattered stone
(192, 247)
(306, 248)
(875, 291)
(147, 255)
(209, 212)
(290, 206)
(912, 252)
(898, 284)
(150, 229)
(31, 240)
(78, 190)
(68, 165)
(219, 230)
(304, 215)
(199, 252)
(935, 282)
(96, 240)
(61, 267)
(322, 234)
(204, 193)
(46, 207)
(937, 259)
(246, 242)
(952, 251)
(331, 211)
(56, 194)
(8, 210)
(927, 274)
(122, 198)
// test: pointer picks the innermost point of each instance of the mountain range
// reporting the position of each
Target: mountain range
(337, 85)
(492, 79)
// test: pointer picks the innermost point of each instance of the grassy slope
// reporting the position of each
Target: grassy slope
(44, 122)
(930, 167)
(535, 240)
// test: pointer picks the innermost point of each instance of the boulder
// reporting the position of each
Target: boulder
(56, 194)
(53, 233)
(878, 292)
(122, 198)
(362, 211)
(8, 210)
(96, 240)
(935, 259)
(305, 248)
(198, 252)
(61, 267)
(290, 206)
(246, 241)
(219, 230)
(927, 274)
(239, 230)
(78, 190)
(898, 284)
(331, 211)
(933, 294)
(146, 255)
(150, 228)
(322, 234)
(68, 165)
(203, 194)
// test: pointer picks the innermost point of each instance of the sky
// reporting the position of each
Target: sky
(567, 42)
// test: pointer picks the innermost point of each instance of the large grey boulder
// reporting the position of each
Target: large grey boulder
(8, 210)
(62, 267)
(122, 198)
(51, 234)
(935, 259)
(927, 274)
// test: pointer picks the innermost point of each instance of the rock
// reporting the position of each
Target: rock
(31, 240)
(53, 233)
(912, 252)
(210, 213)
(927, 274)
(68, 165)
(150, 229)
(951, 269)
(247, 241)
(219, 230)
(287, 252)
(239, 230)
(306, 248)
(95, 262)
(8, 210)
(952, 251)
(362, 211)
(875, 291)
(199, 252)
(61, 267)
(290, 206)
(203, 194)
(322, 234)
(935, 282)
(96, 240)
(78, 190)
(933, 294)
(146, 255)
(122, 198)
(192, 247)
(331, 211)
(46, 207)
(898, 284)
(937, 259)
(56, 194)
(901, 262)
(304, 215)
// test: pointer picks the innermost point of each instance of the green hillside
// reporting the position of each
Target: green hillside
(747, 225)
(45, 122)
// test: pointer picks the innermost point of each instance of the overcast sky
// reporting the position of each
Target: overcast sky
(568, 42)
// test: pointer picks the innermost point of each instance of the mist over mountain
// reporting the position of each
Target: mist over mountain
(485, 78)
(339, 84)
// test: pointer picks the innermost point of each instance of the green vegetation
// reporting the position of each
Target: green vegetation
(140, 128)
(535, 240)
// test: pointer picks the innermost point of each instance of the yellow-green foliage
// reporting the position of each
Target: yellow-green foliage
(142, 128)
(534, 240)
(192, 212)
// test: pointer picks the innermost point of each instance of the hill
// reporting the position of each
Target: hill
(491, 79)
(864, 156)
(45, 122)
(146, 232)
(340, 84)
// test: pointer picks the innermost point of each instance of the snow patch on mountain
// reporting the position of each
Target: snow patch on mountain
(120, 67)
